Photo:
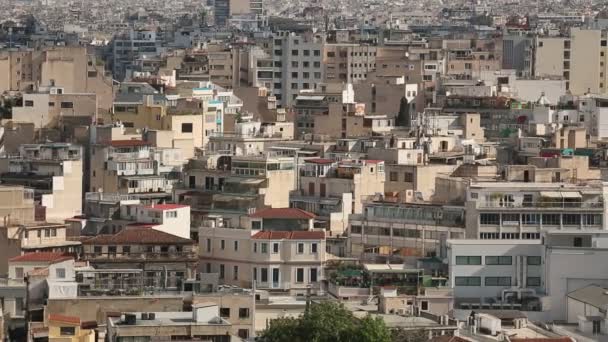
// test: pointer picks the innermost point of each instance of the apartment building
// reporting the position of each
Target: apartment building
(468, 59)
(134, 167)
(285, 261)
(348, 63)
(167, 260)
(54, 171)
(235, 185)
(562, 57)
(50, 108)
(310, 104)
(518, 53)
(129, 47)
(70, 328)
(17, 204)
(322, 178)
(204, 321)
(296, 65)
(237, 306)
(496, 272)
(250, 138)
(169, 218)
(388, 227)
(69, 68)
(520, 210)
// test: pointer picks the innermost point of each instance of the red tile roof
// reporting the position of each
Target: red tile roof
(374, 161)
(64, 319)
(166, 206)
(50, 257)
(138, 236)
(295, 235)
(128, 143)
(319, 161)
(283, 213)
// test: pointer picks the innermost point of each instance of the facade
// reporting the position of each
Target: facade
(54, 171)
(284, 261)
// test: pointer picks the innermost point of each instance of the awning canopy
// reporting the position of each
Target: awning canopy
(244, 180)
(389, 268)
(551, 194)
(571, 194)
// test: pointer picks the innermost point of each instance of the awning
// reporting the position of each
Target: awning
(389, 268)
(551, 194)
(243, 180)
(571, 194)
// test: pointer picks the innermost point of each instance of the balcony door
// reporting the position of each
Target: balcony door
(276, 278)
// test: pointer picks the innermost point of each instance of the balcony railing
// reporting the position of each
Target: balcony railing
(150, 256)
(541, 204)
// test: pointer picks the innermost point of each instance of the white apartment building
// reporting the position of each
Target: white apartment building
(169, 218)
(522, 210)
(275, 260)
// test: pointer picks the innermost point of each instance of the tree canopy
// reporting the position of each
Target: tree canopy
(327, 322)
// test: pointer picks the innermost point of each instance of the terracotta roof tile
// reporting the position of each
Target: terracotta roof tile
(64, 319)
(283, 213)
(296, 235)
(319, 161)
(50, 257)
(138, 236)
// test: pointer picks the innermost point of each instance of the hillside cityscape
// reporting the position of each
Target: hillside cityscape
(303, 171)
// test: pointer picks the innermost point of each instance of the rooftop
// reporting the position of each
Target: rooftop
(296, 235)
(50, 257)
(128, 143)
(283, 213)
(137, 236)
(165, 206)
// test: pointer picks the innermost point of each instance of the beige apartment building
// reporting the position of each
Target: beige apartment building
(348, 63)
(276, 260)
(49, 108)
(580, 59)
(70, 68)
(54, 171)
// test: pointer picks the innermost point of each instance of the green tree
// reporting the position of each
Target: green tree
(327, 322)
(403, 118)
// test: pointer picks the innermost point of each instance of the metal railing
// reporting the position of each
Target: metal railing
(140, 256)
(541, 204)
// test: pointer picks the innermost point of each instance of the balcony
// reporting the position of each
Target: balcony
(141, 257)
(544, 204)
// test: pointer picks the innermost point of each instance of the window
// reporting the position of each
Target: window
(424, 305)
(294, 64)
(532, 219)
(317, 53)
(571, 219)
(171, 214)
(255, 247)
(330, 54)
(187, 127)
(566, 44)
(19, 272)
(235, 272)
(300, 248)
(533, 281)
(313, 275)
(489, 218)
(243, 333)
(222, 271)
(264, 248)
(126, 249)
(60, 273)
(533, 260)
(551, 219)
(67, 331)
(208, 245)
(313, 248)
(264, 275)
(222, 244)
(236, 246)
(97, 249)
(67, 105)
(468, 260)
(499, 260)
(225, 312)
(91, 74)
(29, 103)
(393, 176)
(498, 281)
(275, 248)
(295, 52)
(592, 219)
(256, 225)
(299, 275)
(51, 104)
(306, 52)
(408, 177)
(467, 281)
(243, 313)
